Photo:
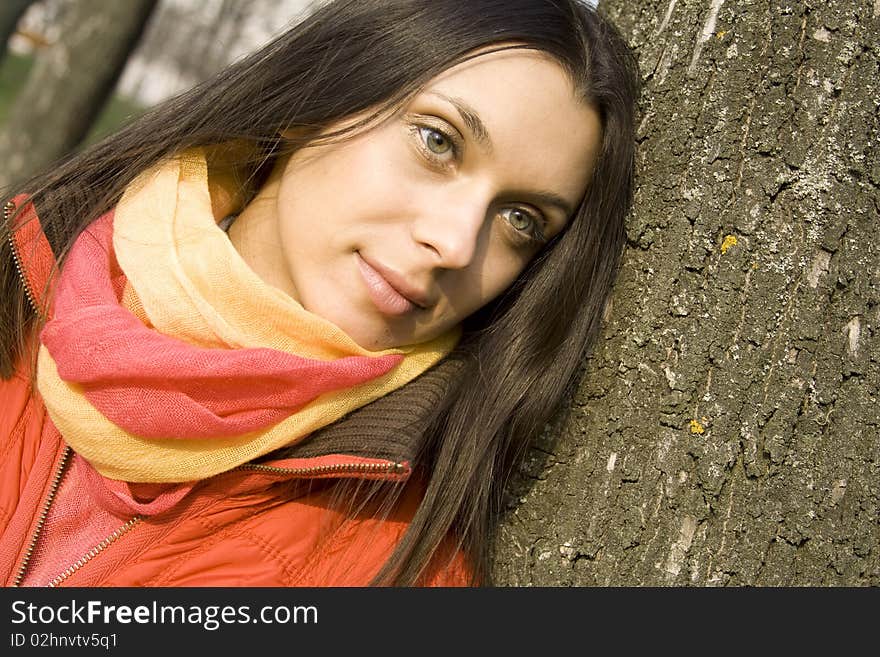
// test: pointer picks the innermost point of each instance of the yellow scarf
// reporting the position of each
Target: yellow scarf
(186, 280)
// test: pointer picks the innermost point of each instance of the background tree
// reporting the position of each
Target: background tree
(727, 428)
(214, 43)
(190, 41)
(11, 12)
(69, 83)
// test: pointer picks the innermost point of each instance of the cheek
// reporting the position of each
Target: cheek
(330, 171)
(506, 261)
(502, 266)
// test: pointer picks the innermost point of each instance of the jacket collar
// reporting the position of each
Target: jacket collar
(392, 428)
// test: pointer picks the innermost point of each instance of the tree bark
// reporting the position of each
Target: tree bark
(69, 84)
(726, 430)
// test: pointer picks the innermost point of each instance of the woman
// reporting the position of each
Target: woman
(423, 205)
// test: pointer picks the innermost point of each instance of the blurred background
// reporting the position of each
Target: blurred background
(72, 71)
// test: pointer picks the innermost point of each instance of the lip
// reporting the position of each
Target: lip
(388, 289)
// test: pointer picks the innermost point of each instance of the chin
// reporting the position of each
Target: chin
(381, 341)
(370, 340)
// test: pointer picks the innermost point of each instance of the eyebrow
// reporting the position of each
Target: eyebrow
(548, 198)
(470, 117)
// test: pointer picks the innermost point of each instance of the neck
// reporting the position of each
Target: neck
(254, 234)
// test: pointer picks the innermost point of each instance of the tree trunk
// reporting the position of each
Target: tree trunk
(11, 12)
(726, 430)
(69, 83)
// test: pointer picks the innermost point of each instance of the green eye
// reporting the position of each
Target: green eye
(436, 141)
(519, 219)
(525, 222)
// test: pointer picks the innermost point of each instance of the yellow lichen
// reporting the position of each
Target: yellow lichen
(729, 241)
(696, 427)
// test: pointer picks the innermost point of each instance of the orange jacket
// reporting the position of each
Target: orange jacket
(270, 524)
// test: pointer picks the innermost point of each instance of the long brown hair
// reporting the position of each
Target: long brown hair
(366, 57)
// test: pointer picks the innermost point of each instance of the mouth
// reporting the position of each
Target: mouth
(387, 289)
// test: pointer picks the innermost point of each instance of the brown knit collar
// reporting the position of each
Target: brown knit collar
(391, 428)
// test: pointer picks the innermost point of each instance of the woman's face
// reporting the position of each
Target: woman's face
(399, 233)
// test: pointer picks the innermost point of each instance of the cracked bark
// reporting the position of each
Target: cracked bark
(727, 429)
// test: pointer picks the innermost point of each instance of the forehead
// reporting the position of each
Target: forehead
(538, 125)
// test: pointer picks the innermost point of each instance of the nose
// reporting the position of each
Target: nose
(450, 227)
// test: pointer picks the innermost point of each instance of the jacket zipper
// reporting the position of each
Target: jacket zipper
(336, 468)
(53, 490)
(95, 551)
(8, 209)
(389, 467)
